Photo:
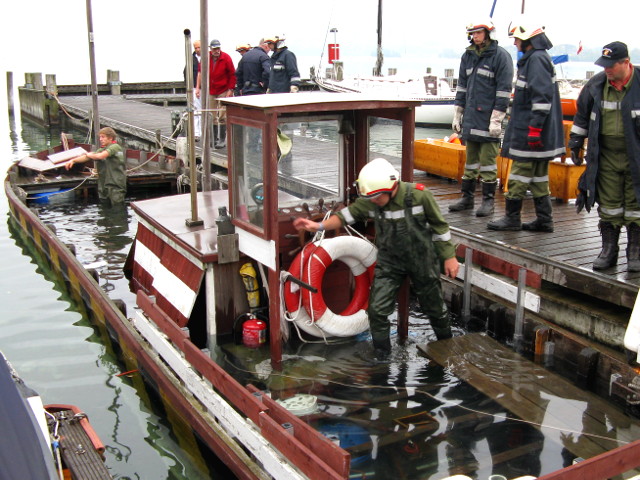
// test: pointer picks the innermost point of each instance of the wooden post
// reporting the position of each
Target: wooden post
(10, 92)
(113, 80)
(33, 81)
(51, 100)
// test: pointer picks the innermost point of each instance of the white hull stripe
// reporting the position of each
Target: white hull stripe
(165, 283)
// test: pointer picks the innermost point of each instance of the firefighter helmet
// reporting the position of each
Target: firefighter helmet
(524, 32)
(486, 24)
(376, 177)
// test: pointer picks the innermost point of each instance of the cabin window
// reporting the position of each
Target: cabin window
(310, 161)
(248, 174)
(385, 140)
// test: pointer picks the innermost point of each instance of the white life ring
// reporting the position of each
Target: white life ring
(309, 310)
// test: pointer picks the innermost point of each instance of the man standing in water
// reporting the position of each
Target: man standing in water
(482, 98)
(413, 241)
(110, 164)
(534, 135)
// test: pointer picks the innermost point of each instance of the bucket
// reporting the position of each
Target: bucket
(254, 333)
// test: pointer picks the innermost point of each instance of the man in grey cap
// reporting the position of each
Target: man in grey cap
(222, 81)
(607, 117)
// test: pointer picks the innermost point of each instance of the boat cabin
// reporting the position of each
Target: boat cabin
(289, 155)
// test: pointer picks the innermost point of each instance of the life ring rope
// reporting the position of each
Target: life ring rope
(308, 311)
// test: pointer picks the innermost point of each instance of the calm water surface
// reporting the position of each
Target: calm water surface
(62, 357)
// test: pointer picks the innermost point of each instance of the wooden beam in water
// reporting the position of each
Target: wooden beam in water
(529, 392)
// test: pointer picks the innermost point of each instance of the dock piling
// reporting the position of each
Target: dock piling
(466, 299)
(10, 92)
(519, 325)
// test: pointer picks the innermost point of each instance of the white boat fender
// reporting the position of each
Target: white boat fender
(309, 310)
(632, 334)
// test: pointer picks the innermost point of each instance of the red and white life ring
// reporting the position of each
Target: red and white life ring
(309, 310)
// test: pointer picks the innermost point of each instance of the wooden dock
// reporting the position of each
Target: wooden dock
(564, 257)
(133, 115)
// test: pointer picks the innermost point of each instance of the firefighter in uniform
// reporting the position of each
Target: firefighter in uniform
(284, 77)
(609, 118)
(482, 98)
(534, 135)
(413, 240)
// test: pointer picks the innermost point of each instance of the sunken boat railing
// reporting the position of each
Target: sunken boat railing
(313, 453)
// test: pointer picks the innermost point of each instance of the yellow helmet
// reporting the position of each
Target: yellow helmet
(243, 47)
(377, 177)
(524, 32)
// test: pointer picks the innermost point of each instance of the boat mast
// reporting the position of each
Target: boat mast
(378, 68)
(204, 95)
(94, 84)
(194, 220)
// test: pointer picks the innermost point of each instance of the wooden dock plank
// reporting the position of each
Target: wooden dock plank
(525, 389)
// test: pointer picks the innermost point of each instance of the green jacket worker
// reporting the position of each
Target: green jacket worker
(608, 117)
(413, 240)
(110, 165)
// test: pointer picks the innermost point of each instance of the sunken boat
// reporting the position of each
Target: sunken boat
(227, 327)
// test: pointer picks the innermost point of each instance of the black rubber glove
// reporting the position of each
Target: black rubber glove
(576, 158)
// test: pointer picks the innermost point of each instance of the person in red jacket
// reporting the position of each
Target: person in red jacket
(222, 81)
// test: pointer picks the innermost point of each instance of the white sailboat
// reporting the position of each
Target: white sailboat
(434, 92)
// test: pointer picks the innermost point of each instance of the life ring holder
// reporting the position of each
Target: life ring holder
(308, 310)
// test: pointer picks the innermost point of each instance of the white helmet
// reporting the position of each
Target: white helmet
(524, 32)
(486, 24)
(376, 177)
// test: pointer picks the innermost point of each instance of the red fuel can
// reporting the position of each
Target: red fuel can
(254, 333)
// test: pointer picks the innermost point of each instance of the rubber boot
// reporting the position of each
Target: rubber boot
(544, 219)
(441, 327)
(381, 348)
(222, 137)
(608, 256)
(214, 138)
(488, 194)
(511, 220)
(466, 202)
(633, 247)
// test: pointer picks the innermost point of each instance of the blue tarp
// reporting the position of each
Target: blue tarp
(560, 58)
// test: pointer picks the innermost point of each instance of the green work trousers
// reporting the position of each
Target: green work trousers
(617, 203)
(481, 160)
(528, 175)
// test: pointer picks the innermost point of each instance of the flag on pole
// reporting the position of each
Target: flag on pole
(579, 48)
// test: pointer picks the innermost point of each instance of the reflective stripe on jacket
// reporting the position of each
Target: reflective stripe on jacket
(587, 124)
(536, 103)
(484, 85)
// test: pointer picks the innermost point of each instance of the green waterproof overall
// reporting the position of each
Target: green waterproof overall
(405, 248)
(112, 175)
